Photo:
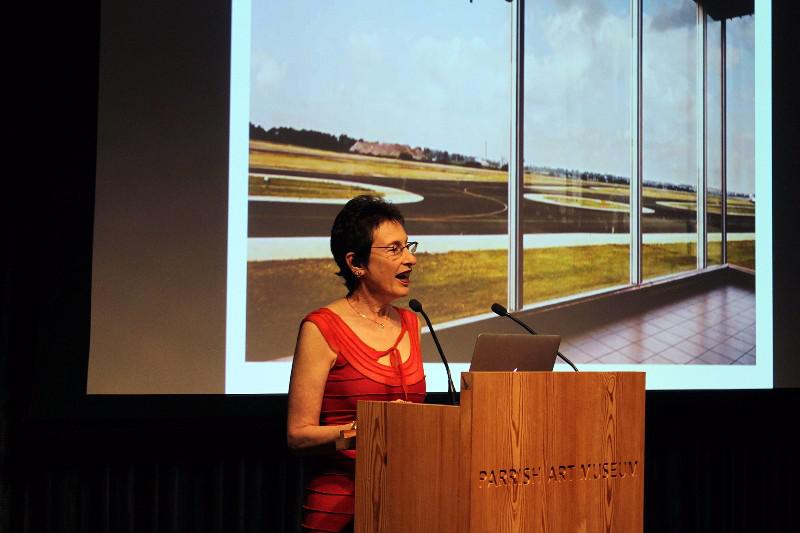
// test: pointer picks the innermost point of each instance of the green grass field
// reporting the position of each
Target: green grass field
(285, 187)
(284, 157)
(734, 209)
(266, 155)
(458, 284)
(591, 203)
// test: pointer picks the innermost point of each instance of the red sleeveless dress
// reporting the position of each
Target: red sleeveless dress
(356, 375)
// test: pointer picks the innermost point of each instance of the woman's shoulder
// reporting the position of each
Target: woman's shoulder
(406, 314)
(327, 319)
(323, 323)
(331, 310)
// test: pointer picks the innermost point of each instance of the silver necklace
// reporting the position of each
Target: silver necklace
(362, 315)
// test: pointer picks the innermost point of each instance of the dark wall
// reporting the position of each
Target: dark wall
(716, 460)
(785, 191)
(158, 471)
(47, 215)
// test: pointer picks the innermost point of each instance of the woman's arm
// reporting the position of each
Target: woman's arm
(313, 359)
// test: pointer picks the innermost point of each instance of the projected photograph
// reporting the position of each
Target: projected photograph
(407, 101)
(411, 102)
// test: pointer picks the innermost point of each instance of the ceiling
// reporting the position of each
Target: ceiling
(727, 9)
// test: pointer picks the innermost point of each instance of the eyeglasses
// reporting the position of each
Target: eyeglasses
(396, 249)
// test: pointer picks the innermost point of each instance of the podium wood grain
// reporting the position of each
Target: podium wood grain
(524, 452)
(585, 432)
(407, 468)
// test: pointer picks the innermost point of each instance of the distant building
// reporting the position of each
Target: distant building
(398, 151)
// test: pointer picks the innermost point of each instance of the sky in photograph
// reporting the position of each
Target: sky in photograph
(436, 74)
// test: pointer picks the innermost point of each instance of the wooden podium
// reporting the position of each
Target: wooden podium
(524, 452)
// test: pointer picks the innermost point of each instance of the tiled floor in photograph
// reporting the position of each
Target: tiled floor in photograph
(716, 326)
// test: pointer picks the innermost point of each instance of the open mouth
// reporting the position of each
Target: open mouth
(404, 276)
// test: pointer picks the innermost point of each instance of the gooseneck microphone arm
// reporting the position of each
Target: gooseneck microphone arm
(451, 389)
(502, 311)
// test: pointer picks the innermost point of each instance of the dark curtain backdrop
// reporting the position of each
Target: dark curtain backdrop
(715, 461)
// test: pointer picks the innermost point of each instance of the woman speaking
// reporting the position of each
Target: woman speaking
(359, 347)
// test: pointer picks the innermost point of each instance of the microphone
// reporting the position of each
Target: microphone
(451, 389)
(502, 311)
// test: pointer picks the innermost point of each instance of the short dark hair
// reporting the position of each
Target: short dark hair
(352, 232)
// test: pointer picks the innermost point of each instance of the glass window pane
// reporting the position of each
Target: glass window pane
(714, 141)
(670, 137)
(577, 147)
(740, 40)
(408, 100)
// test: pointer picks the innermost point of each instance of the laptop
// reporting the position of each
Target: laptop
(512, 352)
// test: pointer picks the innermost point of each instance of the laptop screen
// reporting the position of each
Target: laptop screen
(512, 352)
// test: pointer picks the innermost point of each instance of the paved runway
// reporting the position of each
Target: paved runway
(470, 208)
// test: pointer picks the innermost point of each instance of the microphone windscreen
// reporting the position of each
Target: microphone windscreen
(499, 309)
(415, 305)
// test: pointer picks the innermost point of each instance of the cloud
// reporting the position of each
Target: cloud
(741, 38)
(577, 90)
(267, 71)
(446, 85)
(672, 17)
(590, 12)
(364, 45)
